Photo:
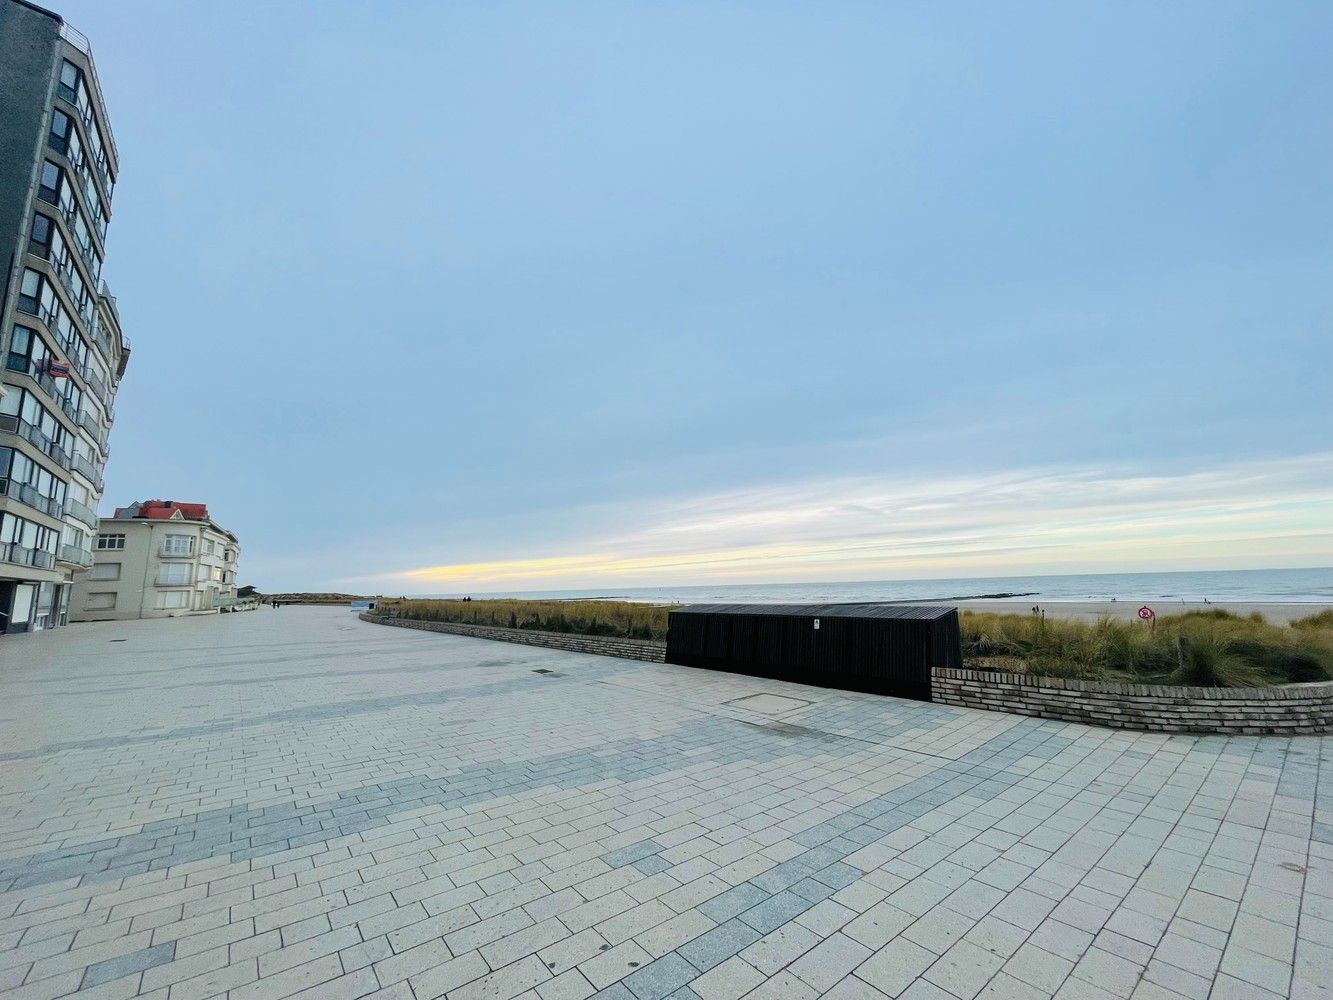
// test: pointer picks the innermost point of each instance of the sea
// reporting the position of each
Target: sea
(1278, 586)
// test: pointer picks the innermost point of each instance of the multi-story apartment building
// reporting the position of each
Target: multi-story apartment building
(158, 559)
(61, 350)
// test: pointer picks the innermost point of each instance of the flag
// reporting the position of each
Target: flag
(57, 369)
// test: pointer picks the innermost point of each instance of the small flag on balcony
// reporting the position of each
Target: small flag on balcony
(57, 369)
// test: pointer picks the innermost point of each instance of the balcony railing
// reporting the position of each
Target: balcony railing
(75, 556)
(169, 551)
(17, 425)
(26, 494)
(82, 512)
(93, 429)
(26, 366)
(88, 470)
(13, 552)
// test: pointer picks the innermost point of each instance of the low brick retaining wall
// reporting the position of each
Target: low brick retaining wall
(1298, 709)
(1301, 709)
(600, 645)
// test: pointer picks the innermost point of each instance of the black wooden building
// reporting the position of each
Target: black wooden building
(885, 648)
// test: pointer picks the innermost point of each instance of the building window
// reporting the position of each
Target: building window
(30, 292)
(176, 599)
(27, 351)
(110, 541)
(62, 127)
(173, 574)
(105, 571)
(178, 545)
(70, 80)
(104, 601)
(39, 237)
(49, 188)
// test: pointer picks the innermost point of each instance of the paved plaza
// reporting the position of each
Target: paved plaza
(297, 803)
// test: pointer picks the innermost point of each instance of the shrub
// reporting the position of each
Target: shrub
(1316, 622)
(1290, 664)
(1210, 660)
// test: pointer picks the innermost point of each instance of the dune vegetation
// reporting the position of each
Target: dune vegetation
(1202, 648)
(618, 618)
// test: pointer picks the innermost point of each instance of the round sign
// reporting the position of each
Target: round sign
(1146, 612)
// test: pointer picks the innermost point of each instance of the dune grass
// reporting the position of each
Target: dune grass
(1200, 648)
(617, 618)
(1203, 648)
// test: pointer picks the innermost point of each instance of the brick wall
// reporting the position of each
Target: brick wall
(1292, 710)
(601, 645)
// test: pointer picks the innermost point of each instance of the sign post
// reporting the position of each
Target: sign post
(1148, 615)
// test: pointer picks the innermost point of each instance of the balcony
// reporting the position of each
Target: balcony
(88, 470)
(82, 512)
(21, 555)
(100, 388)
(17, 425)
(75, 556)
(90, 426)
(26, 366)
(29, 496)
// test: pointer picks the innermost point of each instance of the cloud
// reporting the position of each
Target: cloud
(1262, 513)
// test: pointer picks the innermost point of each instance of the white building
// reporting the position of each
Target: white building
(157, 559)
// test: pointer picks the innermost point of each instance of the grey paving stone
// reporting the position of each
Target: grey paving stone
(320, 780)
(125, 965)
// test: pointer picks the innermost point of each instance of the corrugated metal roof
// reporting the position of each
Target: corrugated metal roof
(911, 611)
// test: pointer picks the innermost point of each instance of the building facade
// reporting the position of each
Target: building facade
(157, 559)
(62, 353)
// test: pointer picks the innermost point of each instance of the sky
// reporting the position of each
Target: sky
(442, 297)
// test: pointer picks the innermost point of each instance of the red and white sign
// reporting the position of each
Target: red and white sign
(1146, 613)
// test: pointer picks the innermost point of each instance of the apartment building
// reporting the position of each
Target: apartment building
(62, 353)
(158, 559)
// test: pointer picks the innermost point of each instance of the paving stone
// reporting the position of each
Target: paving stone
(125, 965)
(307, 805)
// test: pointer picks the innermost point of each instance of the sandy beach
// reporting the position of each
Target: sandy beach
(1278, 614)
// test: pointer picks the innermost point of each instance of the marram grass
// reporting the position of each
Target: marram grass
(618, 618)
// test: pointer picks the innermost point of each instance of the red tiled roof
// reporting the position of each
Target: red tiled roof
(160, 510)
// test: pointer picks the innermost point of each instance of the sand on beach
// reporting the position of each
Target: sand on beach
(1091, 611)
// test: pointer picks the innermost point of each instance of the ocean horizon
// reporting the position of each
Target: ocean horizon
(1277, 586)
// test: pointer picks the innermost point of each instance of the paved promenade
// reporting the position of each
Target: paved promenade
(296, 803)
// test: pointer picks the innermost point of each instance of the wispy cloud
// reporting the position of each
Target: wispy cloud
(1035, 520)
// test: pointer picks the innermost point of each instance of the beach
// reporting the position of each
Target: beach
(1091, 611)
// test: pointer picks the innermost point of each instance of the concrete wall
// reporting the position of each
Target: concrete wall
(1297, 709)
(600, 645)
